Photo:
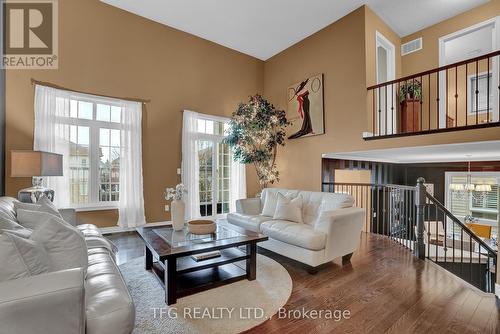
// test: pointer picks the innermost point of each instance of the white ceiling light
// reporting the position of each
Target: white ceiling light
(477, 151)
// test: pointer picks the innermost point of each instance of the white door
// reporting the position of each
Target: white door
(385, 71)
(471, 42)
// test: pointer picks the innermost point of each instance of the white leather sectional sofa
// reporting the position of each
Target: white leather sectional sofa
(331, 226)
(95, 301)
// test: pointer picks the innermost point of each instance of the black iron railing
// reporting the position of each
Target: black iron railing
(419, 222)
(459, 96)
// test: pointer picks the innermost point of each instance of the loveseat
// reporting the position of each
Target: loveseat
(330, 228)
(94, 300)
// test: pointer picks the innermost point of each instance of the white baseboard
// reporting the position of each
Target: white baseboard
(119, 229)
(497, 290)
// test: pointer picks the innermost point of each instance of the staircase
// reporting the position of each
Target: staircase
(413, 218)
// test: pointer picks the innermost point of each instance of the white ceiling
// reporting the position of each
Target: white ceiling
(476, 151)
(263, 28)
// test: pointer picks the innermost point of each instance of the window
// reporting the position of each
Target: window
(483, 205)
(480, 104)
(94, 151)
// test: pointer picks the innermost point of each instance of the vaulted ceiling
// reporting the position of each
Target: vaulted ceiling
(263, 28)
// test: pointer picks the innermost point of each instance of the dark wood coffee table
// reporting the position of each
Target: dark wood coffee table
(168, 256)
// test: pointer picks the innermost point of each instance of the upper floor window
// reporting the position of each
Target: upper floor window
(481, 102)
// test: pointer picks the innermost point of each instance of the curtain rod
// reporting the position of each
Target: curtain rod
(48, 84)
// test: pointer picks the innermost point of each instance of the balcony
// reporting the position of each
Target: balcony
(460, 96)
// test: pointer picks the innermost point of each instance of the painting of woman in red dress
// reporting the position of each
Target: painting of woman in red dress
(300, 105)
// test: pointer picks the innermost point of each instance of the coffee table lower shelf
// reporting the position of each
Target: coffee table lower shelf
(188, 276)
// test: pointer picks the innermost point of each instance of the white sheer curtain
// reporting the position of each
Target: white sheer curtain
(131, 205)
(238, 184)
(51, 135)
(190, 164)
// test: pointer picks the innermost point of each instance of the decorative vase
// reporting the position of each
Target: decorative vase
(178, 214)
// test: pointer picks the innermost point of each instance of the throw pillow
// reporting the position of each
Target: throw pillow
(65, 245)
(289, 209)
(48, 206)
(269, 204)
(21, 257)
(41, 206)
(22, 232)
(31, 219)
(8, 224)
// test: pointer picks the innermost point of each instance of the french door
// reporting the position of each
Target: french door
(214, 159)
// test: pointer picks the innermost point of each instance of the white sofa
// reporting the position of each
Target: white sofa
(68, 301)
(332, 226)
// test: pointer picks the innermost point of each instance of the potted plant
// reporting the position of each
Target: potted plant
(178, 207)
(410, 95)
(411, 90)
(256, 129)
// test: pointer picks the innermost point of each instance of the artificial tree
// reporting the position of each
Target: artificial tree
(255, 131)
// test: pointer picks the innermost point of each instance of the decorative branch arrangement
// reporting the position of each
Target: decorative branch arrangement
(255, 131)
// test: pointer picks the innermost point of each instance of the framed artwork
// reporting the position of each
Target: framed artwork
(305, 108)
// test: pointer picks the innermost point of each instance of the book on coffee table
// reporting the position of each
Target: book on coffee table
(205, 256)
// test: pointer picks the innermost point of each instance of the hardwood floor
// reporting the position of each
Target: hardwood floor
(384, 287)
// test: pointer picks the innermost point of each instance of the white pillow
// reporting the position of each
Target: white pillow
(65, 245)
(269, 204)
(8, 224)
(289, 209)
(22, 232)
(31, 219)
(48, 206)
(21, 257)
(41, 206)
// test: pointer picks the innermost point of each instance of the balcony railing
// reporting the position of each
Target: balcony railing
(417, 221)
(459, 96)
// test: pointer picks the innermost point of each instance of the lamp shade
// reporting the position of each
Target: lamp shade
(35, 163)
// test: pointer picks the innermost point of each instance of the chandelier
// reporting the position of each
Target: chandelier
(465, 189)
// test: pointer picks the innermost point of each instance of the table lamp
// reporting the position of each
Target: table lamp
(35, 164)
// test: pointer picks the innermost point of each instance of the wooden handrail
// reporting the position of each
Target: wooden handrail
(462, 225)
(388, 185)
(439, 69)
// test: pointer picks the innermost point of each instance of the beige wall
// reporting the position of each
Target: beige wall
(339, 52)
(352, 176)
(108, 51)
(180, 71)
(428, 57)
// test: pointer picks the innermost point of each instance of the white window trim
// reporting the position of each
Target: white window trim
(94, 125)
(449, 175)
(471, 109)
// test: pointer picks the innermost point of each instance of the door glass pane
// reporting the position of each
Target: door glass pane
(205, 153)
(223, 178)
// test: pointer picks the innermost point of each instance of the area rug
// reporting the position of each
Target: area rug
(232, 308)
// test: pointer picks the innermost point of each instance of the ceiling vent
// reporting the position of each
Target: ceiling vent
(411, 46)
